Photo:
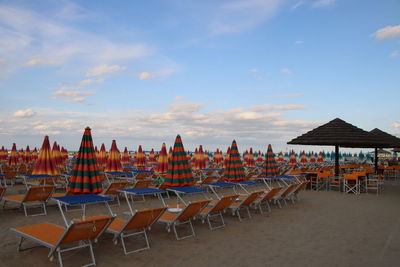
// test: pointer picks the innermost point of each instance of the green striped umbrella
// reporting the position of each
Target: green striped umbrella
(85, 177)
(179, 172)
(234, 170)
(270, 169)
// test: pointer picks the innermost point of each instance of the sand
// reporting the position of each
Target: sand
(324, 228)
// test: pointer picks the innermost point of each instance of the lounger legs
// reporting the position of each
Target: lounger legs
(237, 211)
(180, 223)
(83, 245)
(221, 225)
(36, 214)
(132, 234)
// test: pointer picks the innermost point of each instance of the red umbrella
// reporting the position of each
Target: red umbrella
(303, 159)
(228, 151)
(27, 157)
(179, 172)
(259, 160)
(320, 158)
(102, 157)
(45, 164)
(85, 177)
(152, 157)
(280, 158)
(234, 170)
(292, 159)
(312, 158)
(13, 158)
(126, 157)
(250, 159)
(3, 154)
(114, 159)
(162, 161)
(34, 154)
(140, 160)
(170, 154)
(201, 161)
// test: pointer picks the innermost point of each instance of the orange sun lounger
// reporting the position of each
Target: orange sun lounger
(135, 225)
(36, 195)
(244, 203)
(183, 216)
(216, 211)
(79, 234)
(264, 199)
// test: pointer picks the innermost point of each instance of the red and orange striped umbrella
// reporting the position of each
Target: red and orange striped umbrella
(312, 158)
(56, 154)
(152, 158)
(27, 157)
(102, 157)
(162, 161)
(280, 158)
(85, 178)
(234, 170)
(13, 158)
(201, 161)
(3, 154)
(320, 159)
(126, 157)
(21, 155)
(250, 159)
(45, 164)
(170, 154)
(114, 159)
(259, 160)
(303, 159)
(245, 158)
(292, 159)
(195, 159)
(140, 160)
(34, 154)
(228, 151)
(217, 159)
(179, 172)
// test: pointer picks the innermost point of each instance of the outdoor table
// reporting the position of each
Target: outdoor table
(186, 190)
(141, 192)
(82, 200)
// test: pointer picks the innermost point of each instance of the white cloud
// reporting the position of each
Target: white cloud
(297, 5)
(38, 61)
(299, 42)
(395, 125)
(387, 32)
(73, 96)
(253, 70)
(24, 113)
(144, 75)
(284, 96)
(103, 69)
(394, 54)
(286, 71)
(276, 107)
(323, 3)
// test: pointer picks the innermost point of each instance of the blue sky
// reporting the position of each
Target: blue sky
(141, 72)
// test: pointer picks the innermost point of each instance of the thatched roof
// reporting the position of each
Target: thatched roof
(393, 140)
(339, 133)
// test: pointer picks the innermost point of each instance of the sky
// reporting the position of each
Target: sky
(140, 72)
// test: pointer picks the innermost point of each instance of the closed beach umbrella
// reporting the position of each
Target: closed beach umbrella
(271, 168)
(114, 159)
(13, 158)
(179, 172)
(3, 155)
(170, 154)
(201, 160)
(234, 170)
(228, 151)
(34, 155)
(102, 157)
(320, 158)
(27, 157)
(162, 161)
(280, 158)
(152, 157)
(126, 157)
(85, 177)
(45, 164)
(312, 158)
(303, 159)
(259, 160)
(140, 160)
(292, 159)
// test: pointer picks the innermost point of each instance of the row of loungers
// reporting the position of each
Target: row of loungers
(83, 233)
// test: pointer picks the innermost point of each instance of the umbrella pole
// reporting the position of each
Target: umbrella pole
(336, 161)
(376, 160)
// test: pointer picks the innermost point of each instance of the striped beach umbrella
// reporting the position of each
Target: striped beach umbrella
(201, 160)
(303, 159)
(85, 178)
(102, 156)
(320, 158)
(114, 159)
(250, 159)
(312, 158)
(271, 168)
(126, 157)
(281, 159)
(162, 161)
(27, 157)
(195, 159)
(3, 154)
(245, 158)
(179, 172)
(34, 155)
(13, 158)
(45, 164)
(234, 170)
(292, 159)
(21, 155)
(228, 152)
(140, 160)
(259, 160)
(170, 154)
(152, 157)
(217, 158)
(56, 154)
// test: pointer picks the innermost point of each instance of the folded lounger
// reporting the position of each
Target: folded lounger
(264, 199)
(79, 234)
(244, 202)
(216, 209)
(135, 225)
(183, 216)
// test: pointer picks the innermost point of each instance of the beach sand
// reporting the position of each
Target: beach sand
(324, 228)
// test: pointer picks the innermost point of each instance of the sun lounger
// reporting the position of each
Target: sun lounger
(183, 216)
(81, 234)
(285, 194)
(216, 209)
(264, 199)
(244, 202)
(135, 225)
(295, 194)
(36, 195)
(2, 192)
(111, 190)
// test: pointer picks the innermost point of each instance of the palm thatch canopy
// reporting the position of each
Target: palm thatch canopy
(339, 133)
(391, 139)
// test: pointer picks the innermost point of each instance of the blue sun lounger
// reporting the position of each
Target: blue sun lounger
(141, 192)
(186, 190)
